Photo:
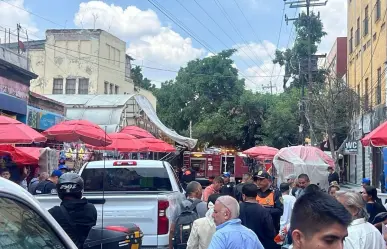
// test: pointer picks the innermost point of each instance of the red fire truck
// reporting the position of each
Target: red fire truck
(213, 162)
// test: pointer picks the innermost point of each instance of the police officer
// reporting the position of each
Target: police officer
(228, 186)
(75, 214)
(269, 197)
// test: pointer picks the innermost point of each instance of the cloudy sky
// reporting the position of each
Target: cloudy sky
(199, 29)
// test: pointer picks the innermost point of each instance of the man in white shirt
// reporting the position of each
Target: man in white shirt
(361, 234)
(288, 201)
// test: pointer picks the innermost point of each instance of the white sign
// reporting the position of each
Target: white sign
(350, 147)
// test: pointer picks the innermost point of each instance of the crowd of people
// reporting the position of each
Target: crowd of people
(297, 214)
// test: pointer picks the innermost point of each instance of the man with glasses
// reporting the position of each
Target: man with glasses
(269, 197)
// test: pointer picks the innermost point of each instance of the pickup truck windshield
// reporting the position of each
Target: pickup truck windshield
(127, 179)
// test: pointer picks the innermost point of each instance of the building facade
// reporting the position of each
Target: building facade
(14, 84)
(336, 61)
(80, 61)
(366, 75)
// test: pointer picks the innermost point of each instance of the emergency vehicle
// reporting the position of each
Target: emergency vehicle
(213, 162)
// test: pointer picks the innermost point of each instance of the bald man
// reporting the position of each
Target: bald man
(230, 233)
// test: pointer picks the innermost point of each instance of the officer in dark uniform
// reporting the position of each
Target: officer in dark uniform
(269, 197)
(228, 186)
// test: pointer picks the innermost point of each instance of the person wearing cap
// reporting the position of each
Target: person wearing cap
(228, 187)
(63, 168)
(333, 175)
(366, 182)
(269, 197)
(291, 180)
(48, 186)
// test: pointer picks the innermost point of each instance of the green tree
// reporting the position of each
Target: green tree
(291, 58)
(280, 126)
(139, 80)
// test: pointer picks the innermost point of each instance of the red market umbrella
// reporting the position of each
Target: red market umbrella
(22, 155)
(261, 151)
(137, 132)
(15, 132)
(376, 138)
(157, 145)
(78, 130)
(123, 142)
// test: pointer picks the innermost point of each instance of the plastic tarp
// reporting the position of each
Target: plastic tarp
(146, 106)
(303, 160)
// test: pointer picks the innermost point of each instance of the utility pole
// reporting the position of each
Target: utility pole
(18, 37)
(270, 86)
(305, 4)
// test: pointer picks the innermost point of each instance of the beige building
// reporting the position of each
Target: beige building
(82, 61)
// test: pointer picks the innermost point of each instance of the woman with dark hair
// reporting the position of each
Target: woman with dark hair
(311, 188)
(373, 203)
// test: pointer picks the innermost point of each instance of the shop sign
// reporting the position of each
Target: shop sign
(41, 119)
(350, 147)
(14, 88)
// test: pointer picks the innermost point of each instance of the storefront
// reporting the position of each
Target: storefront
(14, 85)
(41, 119)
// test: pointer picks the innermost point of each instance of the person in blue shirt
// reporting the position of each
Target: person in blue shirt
(230, 233)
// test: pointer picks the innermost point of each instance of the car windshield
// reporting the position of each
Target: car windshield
(21, 227)
(127, 179)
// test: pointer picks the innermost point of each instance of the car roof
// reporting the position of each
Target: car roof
(140, 164)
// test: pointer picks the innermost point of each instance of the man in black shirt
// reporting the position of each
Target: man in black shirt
(246, 178)
(228, 186)
(256, 217)
(48, 186)
(333, 175)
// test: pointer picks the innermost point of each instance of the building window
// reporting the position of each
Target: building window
(111, 89)
(375, 36)
(70, 86)
(357, 33)
(83, 86)
(106, 88)
(366, 98)
(379, 87)
(116, 89)
(378, 11)
(365, 21)
(351, 42)
(57, 87)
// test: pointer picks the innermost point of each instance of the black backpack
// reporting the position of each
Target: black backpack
(183, 225)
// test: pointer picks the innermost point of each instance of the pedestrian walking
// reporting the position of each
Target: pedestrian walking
(361, 234)
(333, 175)
(230, 233)
(204, 228)
(256, 217)
(269, 197)
(318, 221)
(373, 203)
(303, 181)
(214, 188)
(228, 186)
(246, 178)
(48, 186)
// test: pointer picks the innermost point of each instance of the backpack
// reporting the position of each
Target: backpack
(183, 225)
(79, 240)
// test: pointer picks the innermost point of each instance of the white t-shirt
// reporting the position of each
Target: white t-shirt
(288, 207)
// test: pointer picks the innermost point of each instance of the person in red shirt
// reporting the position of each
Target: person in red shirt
(214, 188)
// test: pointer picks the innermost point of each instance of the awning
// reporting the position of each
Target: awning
(377, 137)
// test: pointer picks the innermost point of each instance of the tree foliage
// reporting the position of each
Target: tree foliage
(291, 57)
(140, 81)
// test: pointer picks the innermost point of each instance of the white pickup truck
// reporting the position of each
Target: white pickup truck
(144, 192)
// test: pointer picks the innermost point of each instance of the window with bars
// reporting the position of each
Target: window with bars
(379, 87)
(70, 86)
(83, 86)
(116, 89)
(106, 88)
(111, 89)
(57, 86)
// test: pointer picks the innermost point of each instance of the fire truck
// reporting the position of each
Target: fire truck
(213, 162)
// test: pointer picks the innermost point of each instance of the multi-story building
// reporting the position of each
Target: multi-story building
(366, 74)
(336, 61)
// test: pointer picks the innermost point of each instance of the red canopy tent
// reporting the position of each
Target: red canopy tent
(377, 137)
(78, 130)
(137, 132)
(123, 142)
(22, 155)
(157, 145)
(15, 132)
(263, 151)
